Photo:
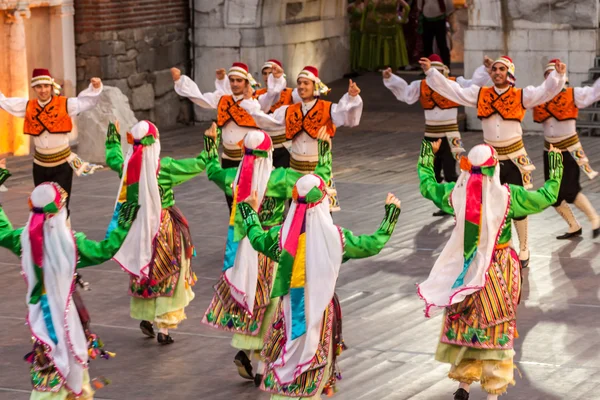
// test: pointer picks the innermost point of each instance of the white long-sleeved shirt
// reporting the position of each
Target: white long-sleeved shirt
(86, 100)
(555, 130)
(411, 93)
(304, 148)
(496, 131)
(231, 134)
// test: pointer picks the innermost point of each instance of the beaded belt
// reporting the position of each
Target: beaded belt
(52, 158)
(441, 128)
(279, 139)
(563, 145)
(303, 166)
(504, 151)
(235, 154)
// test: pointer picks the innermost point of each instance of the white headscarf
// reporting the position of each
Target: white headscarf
(243, 275)
(135, 254)
(70, 351)
(324, 250)
(438, 291)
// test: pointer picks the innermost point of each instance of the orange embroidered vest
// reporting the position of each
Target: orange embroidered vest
(315, 118)
(562, 107)
(229, 109)
(509, 105)
(430, 99)
(285, 98)
(53, 117)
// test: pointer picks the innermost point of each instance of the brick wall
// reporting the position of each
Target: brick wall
(132, 44)
(108, 15)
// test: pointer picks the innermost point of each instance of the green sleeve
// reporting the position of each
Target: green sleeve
(439, 193)
(175, 172)
(9, 238)
(266, 242)
(95, 253)
(222, 177)
(282, 180)
(114, 152)
(524, 202)
(369, 245)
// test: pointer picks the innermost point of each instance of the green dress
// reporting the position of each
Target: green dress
(321, 375)
(355, 13)
(163, 297)
(470, 336)
(223, 313)
(45, 378)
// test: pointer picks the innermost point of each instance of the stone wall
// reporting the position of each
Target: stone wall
(132, 44)
(532, 33)
(297, 32)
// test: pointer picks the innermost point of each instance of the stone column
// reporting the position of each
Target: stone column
(62, 61)
(19, 78)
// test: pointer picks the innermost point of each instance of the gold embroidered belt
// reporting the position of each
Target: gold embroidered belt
(563, 145)
(279, 139)
(235, 154)
(303, 166)
(441, 128)
(52, 158)
(504, 151)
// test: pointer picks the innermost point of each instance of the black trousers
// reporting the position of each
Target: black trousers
(436, 30)
(444, 161)
(511, 174)
(570, 185)
(227, 163)
(281, 158)
(61, 174)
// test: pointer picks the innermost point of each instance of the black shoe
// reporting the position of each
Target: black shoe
(524, 263)
(147, 329)
(258, 380)
(164, 339)
(595, 233)
(570, 235)
(440, 213)
(461, 394)
(243, 365)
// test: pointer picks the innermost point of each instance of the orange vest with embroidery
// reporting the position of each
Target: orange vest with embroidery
(54, 117)
(509, 105)
(229, 109)
(285, 98)
(319, 115)
(430, 99)
(562, 107)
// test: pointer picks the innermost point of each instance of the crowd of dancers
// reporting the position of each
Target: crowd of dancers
(276, 290)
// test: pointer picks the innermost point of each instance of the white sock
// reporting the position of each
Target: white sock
(582, 202)
(565, 211)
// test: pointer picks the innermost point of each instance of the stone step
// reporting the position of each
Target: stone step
(590, 110)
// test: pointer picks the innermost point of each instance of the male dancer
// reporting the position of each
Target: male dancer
(233, 121)
(440, 115)
(303, 120)
(49, 120)
(558, 119)
(501, 108)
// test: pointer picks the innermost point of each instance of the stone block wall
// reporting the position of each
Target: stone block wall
(532, 33)
(132, 44)
(297, 32)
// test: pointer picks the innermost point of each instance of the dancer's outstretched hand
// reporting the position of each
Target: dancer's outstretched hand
(392, 199)
(175, 74)
(561, 68)
(488, 62)
(277, 71)
(252, 200)
(3, 163)
(353, 89)
(436, 145)
(324, 136)
(221, 73)
(387, 73)
(96, 83)
(425, 64)
(211, 132)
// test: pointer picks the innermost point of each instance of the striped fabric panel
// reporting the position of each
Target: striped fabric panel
(441, 128)
(563, 145)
